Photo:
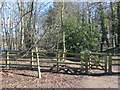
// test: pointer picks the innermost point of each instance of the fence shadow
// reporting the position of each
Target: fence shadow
(49, 71)
(106, 74)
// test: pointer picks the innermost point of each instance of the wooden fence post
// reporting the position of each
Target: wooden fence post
(86, 63)
(58, 56)
(110, 63)
(31, 62)
(7, 59)
(89, 61)
(38, 63)
(106, 60)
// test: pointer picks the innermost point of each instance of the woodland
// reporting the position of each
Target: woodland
(68, 26)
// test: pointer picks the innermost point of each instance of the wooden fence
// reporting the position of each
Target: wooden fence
(72, 62)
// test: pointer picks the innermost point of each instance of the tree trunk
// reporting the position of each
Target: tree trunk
(102, 26)
(112, 19)
(22, 25)
(62, 28)
(118, 28)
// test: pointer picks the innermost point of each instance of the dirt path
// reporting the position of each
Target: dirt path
(100, 82)
(27, 79)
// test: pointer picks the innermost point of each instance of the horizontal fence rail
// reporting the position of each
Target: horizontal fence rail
(54, 60)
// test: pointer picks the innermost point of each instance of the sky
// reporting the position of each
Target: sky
(13, 6)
